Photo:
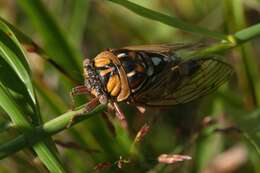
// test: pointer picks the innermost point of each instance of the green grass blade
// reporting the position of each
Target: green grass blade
(56, 44)
(50, 160)
(15, 72)
(48, 129)
(169, 20)
(10, 107)
(47, 156)
(31, 46)
(249, 64)
(13, 62)
(248, 33)
(78, 21)
(13, 54)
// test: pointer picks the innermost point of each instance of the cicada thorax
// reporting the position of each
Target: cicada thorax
(111, 75)
(123, 73)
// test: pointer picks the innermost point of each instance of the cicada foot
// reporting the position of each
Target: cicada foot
(88, 108)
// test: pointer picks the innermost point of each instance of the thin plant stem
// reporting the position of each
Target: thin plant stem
(48, 129)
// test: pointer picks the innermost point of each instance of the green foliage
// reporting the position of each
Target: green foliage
(169, 20)
(53, 37)
(13, 60)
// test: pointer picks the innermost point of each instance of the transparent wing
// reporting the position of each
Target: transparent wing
(185, 82)
(165, 49)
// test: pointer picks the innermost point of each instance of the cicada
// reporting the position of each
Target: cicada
(150, 75)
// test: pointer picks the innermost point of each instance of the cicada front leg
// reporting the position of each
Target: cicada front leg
(88, 107)
(78, 90)
(121, 116)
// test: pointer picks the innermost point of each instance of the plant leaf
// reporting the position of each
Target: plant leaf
(49, 158)
(12, 53)
(13, 62)
(56, 44)
(169, 20)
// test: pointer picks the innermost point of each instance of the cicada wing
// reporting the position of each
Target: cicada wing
(166, 49)
(185, 82)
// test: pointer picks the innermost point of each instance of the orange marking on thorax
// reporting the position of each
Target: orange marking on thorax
(101, 61)
(106, 71)
(124, 91)
(114, 85)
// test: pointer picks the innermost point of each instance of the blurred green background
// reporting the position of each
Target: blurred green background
(69, 30)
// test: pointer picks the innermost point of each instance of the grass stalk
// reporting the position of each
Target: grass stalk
(48, 129)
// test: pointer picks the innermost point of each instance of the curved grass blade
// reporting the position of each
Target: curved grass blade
(169, 20)
(13, 62)
(31, 46)
(50, 128)
(56, 44)
(15, 72)
(49, 158)
(8, 103)
(12, 53)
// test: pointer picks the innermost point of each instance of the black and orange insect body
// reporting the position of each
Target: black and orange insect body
(134, 67)
(150, 75)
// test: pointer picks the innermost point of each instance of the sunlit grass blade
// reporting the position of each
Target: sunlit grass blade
(56, 44)
(15, 72)
(248, 33)
(48, 129)
(8, 103)
(13, 54)
(13, 63)
(169, 20)
(10, 107)
(31, 46)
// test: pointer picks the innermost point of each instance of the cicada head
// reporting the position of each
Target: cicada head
(93, 82)
(105, 77)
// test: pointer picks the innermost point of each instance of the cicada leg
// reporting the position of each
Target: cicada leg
(142, 132)
(78, 90)
(120, 115)
(89, 107)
